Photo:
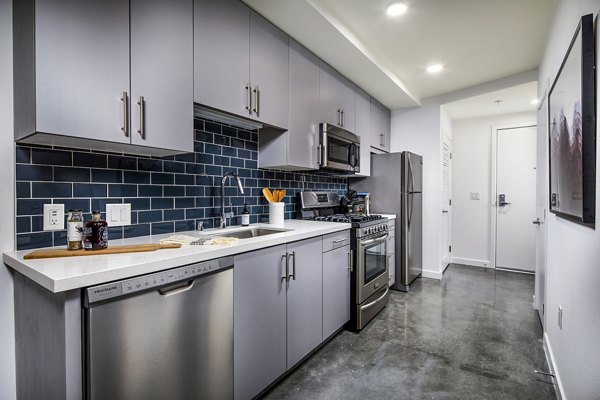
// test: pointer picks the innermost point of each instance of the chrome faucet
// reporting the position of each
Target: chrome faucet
(239, 182)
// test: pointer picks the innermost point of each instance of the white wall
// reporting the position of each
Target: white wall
(7, 196)
(418, 130)
(472, 162)
(573, 251)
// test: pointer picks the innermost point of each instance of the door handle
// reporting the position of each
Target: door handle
(343, 117)
(537, 222)
(256, 107)
(502, 200)
(351, 261)
(444, 211)
(179, 288)
(142, 130)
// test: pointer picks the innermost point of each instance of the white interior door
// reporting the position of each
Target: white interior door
(516, 198)
(542, 206)
(446, 201)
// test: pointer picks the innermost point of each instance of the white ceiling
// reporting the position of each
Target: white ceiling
(477, 41)
(511, 100)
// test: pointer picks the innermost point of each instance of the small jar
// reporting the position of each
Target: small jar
(74, 230)
(95, 233)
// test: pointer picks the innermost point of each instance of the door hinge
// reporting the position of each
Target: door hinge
(449, 249)
(451, 156)
(450, 202)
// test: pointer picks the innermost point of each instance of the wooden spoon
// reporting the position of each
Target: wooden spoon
(268, 195)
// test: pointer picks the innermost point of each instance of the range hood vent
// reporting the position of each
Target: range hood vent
(201, 111)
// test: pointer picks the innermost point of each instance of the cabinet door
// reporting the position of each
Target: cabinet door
(259, 320)
(303, 133)
(376, 132)
(336, 290)
(304, 299)
(162, 72)
(386, 122)
(269, 74)
(82, 68)
(221, 55)
(337, 99)
(363, 129)
(392, 251)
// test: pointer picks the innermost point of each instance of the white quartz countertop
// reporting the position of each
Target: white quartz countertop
(388, 216)
(62, 274)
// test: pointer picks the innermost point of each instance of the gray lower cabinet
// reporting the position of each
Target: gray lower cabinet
(296, 149)
(336, 289)
(380, 126)
(240, 62)
(337, 99)
(391, 242)
(77, 63)
(363, 129)
(277, 312)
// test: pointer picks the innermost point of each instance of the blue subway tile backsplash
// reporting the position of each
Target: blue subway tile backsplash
(167, 194)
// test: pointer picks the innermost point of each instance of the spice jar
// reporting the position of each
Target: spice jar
(74, 230)
(95, 233)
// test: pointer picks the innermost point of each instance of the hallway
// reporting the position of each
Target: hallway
(472, 335)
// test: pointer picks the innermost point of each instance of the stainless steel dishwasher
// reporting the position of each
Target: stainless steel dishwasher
(167, 335)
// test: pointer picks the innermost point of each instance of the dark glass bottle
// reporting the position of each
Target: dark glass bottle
(95, 233)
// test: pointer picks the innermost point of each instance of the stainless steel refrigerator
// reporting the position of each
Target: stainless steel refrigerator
(396, 187)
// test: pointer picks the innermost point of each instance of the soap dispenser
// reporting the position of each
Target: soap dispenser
(245, 216)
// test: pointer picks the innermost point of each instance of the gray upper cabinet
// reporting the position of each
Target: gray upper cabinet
(162, 69)
(363, 129)
(222, 55)
(77, 63)
(268, 72)
(259, 323)
(71, 68)
(304, 299)
(380, 126)
(337, 99)
(296, 149)
(240, 62)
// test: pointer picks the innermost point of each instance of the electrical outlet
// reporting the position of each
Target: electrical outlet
(118, 214)
(560, 317)
(54, 217)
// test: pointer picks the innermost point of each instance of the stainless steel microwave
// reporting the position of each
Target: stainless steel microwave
(338, 149)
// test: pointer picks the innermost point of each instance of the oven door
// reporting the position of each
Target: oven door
(372, 266)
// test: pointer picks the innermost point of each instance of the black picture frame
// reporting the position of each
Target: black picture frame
(572, 130)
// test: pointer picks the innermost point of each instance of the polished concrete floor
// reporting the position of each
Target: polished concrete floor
(472, 335)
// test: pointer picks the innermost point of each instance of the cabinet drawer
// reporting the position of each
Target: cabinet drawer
(335, 240)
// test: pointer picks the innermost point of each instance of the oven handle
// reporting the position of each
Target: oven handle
(371, 304)
(374, 239)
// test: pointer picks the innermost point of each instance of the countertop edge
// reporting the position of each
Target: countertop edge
(163, 261)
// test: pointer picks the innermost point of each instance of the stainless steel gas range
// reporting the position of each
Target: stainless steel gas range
(369, 279)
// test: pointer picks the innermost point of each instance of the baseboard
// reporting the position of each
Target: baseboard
(431, 274)
(558, 387)
(471, 261)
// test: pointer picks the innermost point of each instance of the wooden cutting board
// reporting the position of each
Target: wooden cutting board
(132, 248)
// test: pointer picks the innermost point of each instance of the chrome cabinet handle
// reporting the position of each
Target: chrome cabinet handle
(293, 274)
(248, 96)
(256, 92)
(339, 121)
(125, 127)
(351, 260)
(284, 277)
(142, 130)
(340, 240)
(343, 117)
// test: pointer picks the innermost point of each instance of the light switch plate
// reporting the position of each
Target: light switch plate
(54, 217)
(118, 214)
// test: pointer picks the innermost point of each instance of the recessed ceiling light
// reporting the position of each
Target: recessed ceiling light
(435, 68)
(396, 9)
(534, 101)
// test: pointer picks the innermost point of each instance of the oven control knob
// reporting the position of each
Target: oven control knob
(366, 231)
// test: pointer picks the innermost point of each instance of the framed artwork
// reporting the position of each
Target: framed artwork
(572, 130)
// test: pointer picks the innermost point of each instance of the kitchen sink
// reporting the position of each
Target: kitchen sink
(250, 233)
